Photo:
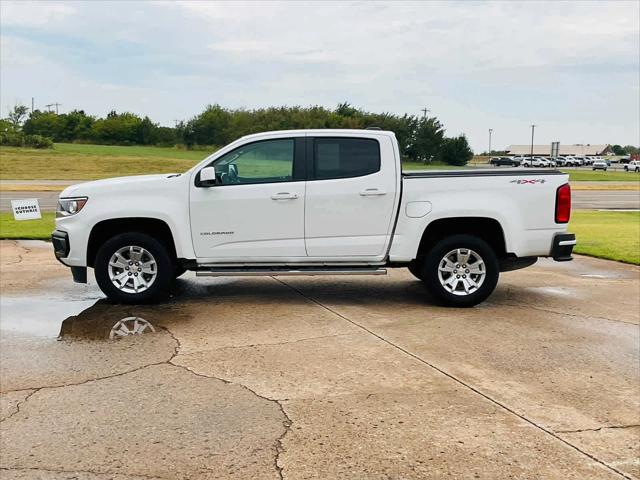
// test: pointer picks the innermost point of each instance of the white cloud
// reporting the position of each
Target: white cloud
(30, 14)
(475, 64)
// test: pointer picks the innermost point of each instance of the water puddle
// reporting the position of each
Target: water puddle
(85, 319)
(38, 317)
(555, 291)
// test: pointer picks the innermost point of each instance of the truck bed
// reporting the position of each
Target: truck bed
(484, 172)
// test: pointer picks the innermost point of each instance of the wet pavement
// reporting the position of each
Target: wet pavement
(320, 377)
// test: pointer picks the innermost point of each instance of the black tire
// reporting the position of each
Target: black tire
(158, 290)
(415, 268)
(429, 273)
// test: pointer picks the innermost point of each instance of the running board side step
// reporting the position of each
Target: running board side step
(270, 271)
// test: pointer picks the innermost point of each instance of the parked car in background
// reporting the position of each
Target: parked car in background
(632, 166)
(599, 165)
(533, 162)
(504, 161)
(561, 162)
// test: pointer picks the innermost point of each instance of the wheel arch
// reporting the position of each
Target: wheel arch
(106, 229)
(487, 228)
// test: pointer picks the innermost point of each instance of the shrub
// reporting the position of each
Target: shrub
(38, 141)
(19, 139)
(456, 151)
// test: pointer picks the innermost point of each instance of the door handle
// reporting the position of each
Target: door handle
(284, 196)
(369, 192)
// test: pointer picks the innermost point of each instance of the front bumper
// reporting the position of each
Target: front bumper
(562, 248)
(61, 245)
(61, 248)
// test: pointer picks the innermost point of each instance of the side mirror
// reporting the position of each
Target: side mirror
(208, 176)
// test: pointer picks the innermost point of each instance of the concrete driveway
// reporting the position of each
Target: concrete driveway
(335, 377)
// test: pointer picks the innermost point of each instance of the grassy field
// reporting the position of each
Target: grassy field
(68, 161)
(610, 235)
(600, 176)
(89, 162)
(27, 229)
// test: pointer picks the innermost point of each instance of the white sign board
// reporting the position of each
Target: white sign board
(26, 209)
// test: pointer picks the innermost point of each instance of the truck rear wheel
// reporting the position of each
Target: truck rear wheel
(460, 270)
(134, 268)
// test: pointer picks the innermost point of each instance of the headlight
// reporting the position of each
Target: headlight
(70, 206)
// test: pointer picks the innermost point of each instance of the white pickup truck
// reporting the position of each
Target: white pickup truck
(310, 202)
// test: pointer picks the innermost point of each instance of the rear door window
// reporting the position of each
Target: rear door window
(345, 157)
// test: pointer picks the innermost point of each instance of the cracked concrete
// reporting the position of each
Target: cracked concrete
(323, 378)
(16, 256)
(160, 421)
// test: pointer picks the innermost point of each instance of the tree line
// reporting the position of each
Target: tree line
(421, 138)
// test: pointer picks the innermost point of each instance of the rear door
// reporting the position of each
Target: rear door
(351, 196)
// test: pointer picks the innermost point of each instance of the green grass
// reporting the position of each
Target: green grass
(600, 176)
(27, 229)
(610, 235)
(89, 162)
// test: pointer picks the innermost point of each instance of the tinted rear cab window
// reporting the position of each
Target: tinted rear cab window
(345, 157)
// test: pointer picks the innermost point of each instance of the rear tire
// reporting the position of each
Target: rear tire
(460, 270)
(134, 268)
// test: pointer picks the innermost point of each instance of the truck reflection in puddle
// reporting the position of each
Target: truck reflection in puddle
(104, 321)
(130, 326)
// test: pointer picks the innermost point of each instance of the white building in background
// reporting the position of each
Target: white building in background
(545, 150)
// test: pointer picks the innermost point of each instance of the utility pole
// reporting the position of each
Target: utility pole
(424, 111)
(53, 105)
(176, 122)
(533, 127)
(490, 132)
(31, 104)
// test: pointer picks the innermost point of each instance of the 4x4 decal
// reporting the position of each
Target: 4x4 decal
(523, 181)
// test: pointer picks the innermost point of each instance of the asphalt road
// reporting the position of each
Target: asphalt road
(323, 377)
(582, 199)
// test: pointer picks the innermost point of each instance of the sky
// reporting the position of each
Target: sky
(571, 68)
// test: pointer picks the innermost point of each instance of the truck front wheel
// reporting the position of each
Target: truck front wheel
(460, 270)
(134, 268)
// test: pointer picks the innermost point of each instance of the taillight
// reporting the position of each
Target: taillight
(563, 203)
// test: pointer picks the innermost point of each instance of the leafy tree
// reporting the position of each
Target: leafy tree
(47, 124)
(630, 149)
(117, 128)
(17, 115)
(456, 151)
(5, 126)
(617, 150)
(427, 140)
(346, 110)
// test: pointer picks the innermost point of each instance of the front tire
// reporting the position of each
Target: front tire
(134, 268)
(460, 270)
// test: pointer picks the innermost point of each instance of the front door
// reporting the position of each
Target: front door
(255, 210)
